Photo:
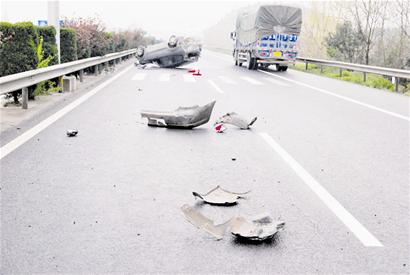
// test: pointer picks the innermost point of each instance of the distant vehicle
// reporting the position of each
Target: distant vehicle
(178, 51)
(267, 36)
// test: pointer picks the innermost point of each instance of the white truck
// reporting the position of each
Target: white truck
(266, 36)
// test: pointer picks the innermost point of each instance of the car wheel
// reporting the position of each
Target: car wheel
(140, 51)
(284, 68)
(172, 42)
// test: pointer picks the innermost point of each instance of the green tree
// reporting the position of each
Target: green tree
(345, 43)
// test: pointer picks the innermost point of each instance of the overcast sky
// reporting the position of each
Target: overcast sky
(159, 18)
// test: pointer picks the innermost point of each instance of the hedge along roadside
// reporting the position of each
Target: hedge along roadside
(18, 44)
(68, 45)
(18, 48)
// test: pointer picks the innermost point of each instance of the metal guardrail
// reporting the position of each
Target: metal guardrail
(23, 80)
(396, 73)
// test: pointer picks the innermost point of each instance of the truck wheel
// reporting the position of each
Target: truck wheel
(280, 68)
(250, 61)
(255, 64)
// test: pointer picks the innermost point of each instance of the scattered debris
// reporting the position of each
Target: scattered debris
(219, 196)
(72, 133)
(139, 66)
(197, 73)
(259, 229)
(234, 119)
(183, 117)
(233, 159)
(202, 222)
(139, 89)
(191, 71)
(220, 128)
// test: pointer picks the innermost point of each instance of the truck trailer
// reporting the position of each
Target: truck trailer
(267, 35)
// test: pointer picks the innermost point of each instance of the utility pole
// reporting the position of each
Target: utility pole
(53, 10)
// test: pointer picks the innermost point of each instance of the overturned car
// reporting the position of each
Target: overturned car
(178, 51)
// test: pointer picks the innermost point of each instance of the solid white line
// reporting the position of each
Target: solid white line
(251, 80)
(188, 78)
(274, 81)
(164, 77)
(340, 96)
(139, 76)
(354, 225)
(226, 79)
(23, 138)
(219, 90)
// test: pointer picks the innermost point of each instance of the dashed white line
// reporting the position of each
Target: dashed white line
(188, 78)
(219, 90)
(251, 80)
(276, 82)
(139, 76)
(341, 97)
(226, 79)
(23, 138)
(345, 217)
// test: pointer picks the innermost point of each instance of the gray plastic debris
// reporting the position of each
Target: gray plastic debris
(260, 228)
(183, 117)
(234, 119)
(72, 132)
(202, 222)
(219, 196)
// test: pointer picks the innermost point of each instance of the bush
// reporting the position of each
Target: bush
(49, 42)
(68, 45)
(17, 47)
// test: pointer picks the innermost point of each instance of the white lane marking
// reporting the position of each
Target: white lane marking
(188, 78)
(164, 77)
(251, 80)
(219, 90)
(345, 217)
(139, 76)
(340, 96)
(226, 79)
(274, 81)
(23, 138)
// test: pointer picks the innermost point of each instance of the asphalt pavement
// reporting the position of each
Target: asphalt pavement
(328, 157)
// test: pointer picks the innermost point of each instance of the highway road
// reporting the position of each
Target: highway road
(328, 157)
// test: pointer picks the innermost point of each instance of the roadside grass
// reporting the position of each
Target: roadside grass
(373, 80)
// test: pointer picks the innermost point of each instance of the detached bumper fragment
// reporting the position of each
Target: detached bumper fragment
(183, 117)
(234, 119)
(258, 229)
(219, 196)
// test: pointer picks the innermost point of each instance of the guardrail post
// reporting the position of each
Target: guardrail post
(341, 72)
(321, 69)
(106, 66)
(306, 65)
(81, 75)
(397, 84)
(95, 69)
(60, 83)
(364, 77)
(25, 98)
